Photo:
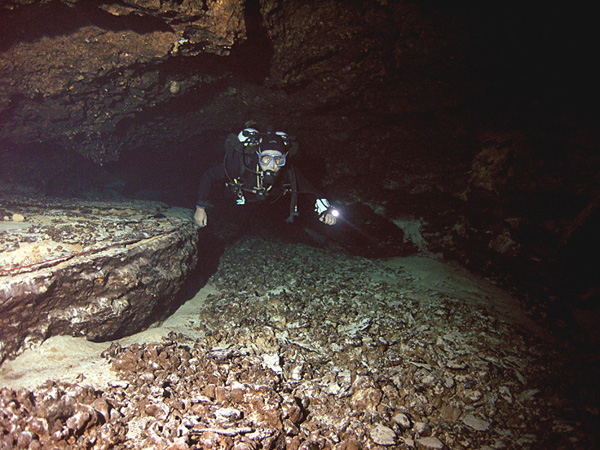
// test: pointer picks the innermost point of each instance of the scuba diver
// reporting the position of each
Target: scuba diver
(256, 168)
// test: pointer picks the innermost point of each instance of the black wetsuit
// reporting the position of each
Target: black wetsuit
(240, 172)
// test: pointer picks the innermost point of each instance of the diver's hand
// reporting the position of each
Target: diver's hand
(328, 219)
(200, 216)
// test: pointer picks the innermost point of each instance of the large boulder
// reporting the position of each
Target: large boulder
(98, 269)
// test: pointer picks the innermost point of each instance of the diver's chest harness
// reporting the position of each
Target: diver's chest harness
(240, 189)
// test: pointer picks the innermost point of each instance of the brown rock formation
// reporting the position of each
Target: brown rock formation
(468, 124)
(100, 270)
(77, 72)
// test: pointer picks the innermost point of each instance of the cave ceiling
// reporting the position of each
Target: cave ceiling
(99, 77)
(395, 104)
(81, 74)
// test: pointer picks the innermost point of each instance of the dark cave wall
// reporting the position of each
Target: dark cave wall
(99, 79)
(332, 74)
(464, 120)
(81, 74)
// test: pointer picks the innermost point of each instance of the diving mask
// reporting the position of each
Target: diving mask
(265, 159)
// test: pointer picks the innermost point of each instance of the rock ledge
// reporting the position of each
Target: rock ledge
(97, 269)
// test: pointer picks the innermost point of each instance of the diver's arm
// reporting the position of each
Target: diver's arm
(328, 218)
(305, 186)
(209, 178)
(200, 216)
(322, 206)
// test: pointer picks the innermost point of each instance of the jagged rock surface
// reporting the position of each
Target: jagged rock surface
(412, 108)
(308, 349)
(97, 269)
(78, 74)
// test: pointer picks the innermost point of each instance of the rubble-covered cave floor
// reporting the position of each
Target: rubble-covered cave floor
(290, 346)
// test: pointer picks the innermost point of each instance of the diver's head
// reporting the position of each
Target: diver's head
(271, 153)
(271, 160)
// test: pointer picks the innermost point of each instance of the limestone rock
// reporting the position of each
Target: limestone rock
(450, 413)
(55, 86)
(475, 423)
(383, 435)
(402, 420)
(207, 383)
(430, 443)
(101, 270)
